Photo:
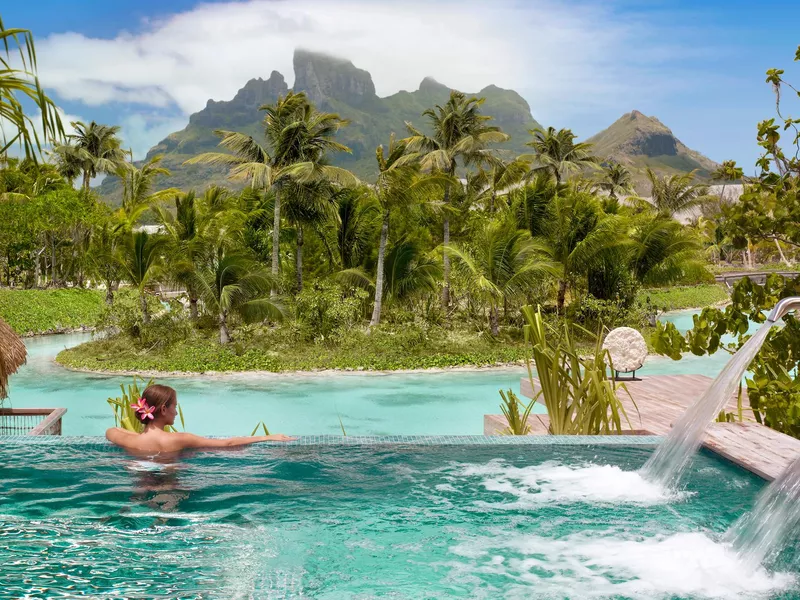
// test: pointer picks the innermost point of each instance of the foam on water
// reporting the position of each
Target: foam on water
(680, 565)
(554, 482)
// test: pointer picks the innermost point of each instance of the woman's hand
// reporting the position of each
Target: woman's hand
(279, 437)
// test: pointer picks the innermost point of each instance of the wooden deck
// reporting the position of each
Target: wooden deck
(662, 399)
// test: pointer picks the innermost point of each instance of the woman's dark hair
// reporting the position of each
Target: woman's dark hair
(158, 396)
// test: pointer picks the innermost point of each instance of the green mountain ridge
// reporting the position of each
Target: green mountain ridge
(334, 85)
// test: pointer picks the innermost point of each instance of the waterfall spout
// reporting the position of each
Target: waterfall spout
(673, 455)
(784, 307)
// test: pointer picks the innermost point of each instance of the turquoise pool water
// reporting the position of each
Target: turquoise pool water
(394, 521)
(443, 403)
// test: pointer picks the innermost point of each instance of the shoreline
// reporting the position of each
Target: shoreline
(51, 332)
(312, 373)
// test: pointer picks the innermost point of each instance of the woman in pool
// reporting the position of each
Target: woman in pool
(157, 408)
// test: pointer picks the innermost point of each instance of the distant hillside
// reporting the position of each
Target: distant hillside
(334, 85)
(639, 141)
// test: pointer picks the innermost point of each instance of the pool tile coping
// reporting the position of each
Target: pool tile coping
(374, 440)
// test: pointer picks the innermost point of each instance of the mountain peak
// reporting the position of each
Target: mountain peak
(323, 77)
(430, 85)
(639, 141)
(244, 104)
(332, 84)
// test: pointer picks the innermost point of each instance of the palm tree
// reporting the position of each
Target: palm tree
(531, 202)
(727, 172)
(69, 160)
(97, 148)
(398, 187)
(358, 219)
(104, 258)
(616, 180)
(19, 85)
(407, 271)
(672, 194)
(298, 140)
(500, 262)
(664, 251)
(577, 235)
(460, 132)
(141, 260)
(235, 284)
(308, 205)
(556, 152)
(499, 180)
(185, 244)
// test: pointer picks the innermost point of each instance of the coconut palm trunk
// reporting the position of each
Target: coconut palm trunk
(224, 335)
(53, 261)
(299, 259)
(446, 242)
(562, 294)
(276, 239)
(145, 312)
(109, 293)
(376, 310)
(493, 320)
(87, 178)
(192, 293)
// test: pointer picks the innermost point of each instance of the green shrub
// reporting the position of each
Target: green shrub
(125, 314)
(595, 315)
(328, 311)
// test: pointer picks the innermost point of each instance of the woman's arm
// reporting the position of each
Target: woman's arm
(189, 440)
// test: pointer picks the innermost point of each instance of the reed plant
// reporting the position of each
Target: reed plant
(580, 396)
(262, 426)
(516, 413)
(125, 416)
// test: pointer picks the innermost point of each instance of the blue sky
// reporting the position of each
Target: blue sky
(697, 66)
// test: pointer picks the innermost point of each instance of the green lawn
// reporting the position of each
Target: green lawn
(680, 297)
(43, 311)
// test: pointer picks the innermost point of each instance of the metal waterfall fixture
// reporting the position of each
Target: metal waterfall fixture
(13, 355)
(784, 307)
(672, 456)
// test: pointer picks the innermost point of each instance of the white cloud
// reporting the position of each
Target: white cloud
(562, 56)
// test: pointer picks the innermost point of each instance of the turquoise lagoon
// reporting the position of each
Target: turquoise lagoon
(435, 403)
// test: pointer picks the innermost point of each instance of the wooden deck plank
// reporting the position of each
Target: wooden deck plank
(662, 399)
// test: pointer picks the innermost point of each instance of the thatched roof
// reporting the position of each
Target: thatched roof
(12, 355)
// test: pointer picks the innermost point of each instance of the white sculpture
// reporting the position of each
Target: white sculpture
(627, 349)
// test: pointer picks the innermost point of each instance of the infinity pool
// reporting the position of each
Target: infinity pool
(522, 520)
(433, 403)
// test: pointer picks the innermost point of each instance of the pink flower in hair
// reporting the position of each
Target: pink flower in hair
(147, 412)
(141, 404)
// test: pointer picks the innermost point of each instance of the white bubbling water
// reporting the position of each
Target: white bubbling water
(684, 565)
(554, 482)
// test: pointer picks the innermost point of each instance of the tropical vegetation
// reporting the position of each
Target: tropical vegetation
(310, 266)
